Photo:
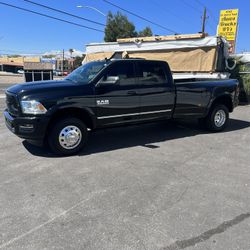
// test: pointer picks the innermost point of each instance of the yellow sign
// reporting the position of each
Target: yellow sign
(228, 24)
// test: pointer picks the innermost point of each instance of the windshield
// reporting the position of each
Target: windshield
(86, 72)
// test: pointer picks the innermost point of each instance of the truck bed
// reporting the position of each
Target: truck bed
(194, 95)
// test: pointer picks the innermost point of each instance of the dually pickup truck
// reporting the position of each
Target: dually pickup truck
(113, 92)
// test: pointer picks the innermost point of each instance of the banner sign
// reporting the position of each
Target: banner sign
(228, 25)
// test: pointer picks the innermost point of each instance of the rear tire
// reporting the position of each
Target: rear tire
(67, 136)
(217, 118)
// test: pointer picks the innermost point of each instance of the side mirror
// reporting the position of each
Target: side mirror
(110, 80)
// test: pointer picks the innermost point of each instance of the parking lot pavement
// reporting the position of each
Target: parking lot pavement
(8, 80)
(154, 186)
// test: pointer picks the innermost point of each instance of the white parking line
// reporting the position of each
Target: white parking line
(2, 96)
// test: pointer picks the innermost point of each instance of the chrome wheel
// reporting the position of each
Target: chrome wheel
(70, 137)
(220, 118)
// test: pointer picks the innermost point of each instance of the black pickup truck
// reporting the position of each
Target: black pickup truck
(113, 92)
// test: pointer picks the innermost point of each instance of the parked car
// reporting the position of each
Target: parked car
(60, 73)
(106, 93)
(20, 71)
(57, 73)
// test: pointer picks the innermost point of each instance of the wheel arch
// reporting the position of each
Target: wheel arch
(82, 114)
(223, 99)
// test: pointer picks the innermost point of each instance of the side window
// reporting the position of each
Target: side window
(150, 73)
(122, 72)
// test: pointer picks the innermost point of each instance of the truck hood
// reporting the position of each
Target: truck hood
(49, 92)
(39, 86)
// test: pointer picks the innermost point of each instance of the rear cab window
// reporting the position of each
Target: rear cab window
(151, 73)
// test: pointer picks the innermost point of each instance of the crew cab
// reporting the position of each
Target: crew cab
(113, 92)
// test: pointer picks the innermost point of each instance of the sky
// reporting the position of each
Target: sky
(22, 32)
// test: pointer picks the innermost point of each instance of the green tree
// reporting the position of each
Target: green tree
(14, 56)
(118, 26)
(71, 52)
(146, 32)
(78, 61)
(49, 56)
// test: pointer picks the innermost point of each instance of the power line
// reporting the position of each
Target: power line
(64, 12)
(200, 3)
(168, 11)
(211, 13)
(213, 17)
(211, 27)
(51, 17)
(180, 17)
(143, 18)
(197, 10)
(191, 6)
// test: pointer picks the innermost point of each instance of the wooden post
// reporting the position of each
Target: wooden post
(204, 20)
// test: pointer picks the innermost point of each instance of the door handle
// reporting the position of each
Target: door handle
(131, 92)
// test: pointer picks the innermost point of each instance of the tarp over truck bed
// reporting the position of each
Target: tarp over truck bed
(184, 53)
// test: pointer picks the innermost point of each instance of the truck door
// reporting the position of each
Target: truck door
(116, 94)
(157, 93)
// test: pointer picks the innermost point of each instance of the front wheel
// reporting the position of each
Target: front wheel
(67, 136)
(217, 118)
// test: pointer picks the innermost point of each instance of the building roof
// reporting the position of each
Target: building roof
(17, 64)
(38, 66)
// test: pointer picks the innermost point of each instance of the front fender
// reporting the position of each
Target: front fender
(73, 107)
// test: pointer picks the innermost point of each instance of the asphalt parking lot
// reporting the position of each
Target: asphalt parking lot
(154, 186)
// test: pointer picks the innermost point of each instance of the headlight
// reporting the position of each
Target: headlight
(33, 107)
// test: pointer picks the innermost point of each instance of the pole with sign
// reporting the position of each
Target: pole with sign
(228, 26)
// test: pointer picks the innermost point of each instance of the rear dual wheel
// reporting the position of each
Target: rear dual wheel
(217, 119)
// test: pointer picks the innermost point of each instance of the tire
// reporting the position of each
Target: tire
(67, 136)
(217, 118)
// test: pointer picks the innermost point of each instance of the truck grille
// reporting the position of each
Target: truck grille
(12, 104)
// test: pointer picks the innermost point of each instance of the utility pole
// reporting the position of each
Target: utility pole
(62, 62)
(204, 18)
